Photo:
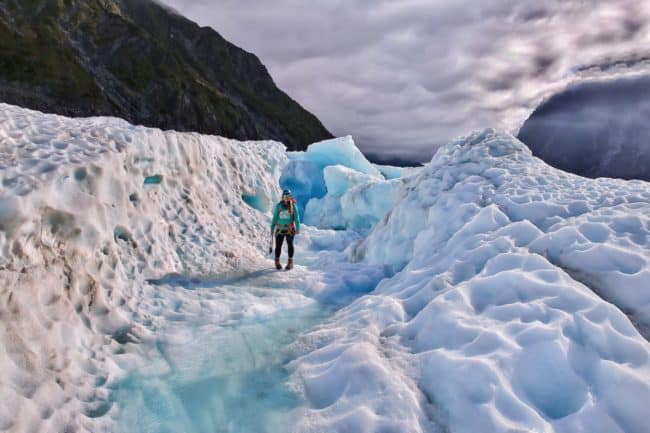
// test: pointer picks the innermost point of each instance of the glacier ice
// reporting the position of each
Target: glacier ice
(305, 181)
(339, 179)
(326, 212)
(339, 151)
(304, 175)
(338, 188)
(391, 172)
(358, 208)
(484, 283)
(495, 307)
(80, 233)
(122, 246)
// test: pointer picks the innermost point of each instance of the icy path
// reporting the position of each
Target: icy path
(223, 376)
(218, 358)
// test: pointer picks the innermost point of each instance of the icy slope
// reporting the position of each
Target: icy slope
(492, 322)
(89, 209)
(595, 229)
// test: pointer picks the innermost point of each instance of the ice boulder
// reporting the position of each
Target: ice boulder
(304, 175)
(340, 151)
(339, 179)
(365, 205)
(324, 213)
(354, 200)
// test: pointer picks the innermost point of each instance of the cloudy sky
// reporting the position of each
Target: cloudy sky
(403, 76)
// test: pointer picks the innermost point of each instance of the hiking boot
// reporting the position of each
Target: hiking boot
(277, 263)
(289, 264)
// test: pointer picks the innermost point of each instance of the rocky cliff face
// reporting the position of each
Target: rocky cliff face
(138, 60)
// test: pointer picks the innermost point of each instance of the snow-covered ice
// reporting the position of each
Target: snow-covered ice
(502, 315)
(81, 232)
(483, 292)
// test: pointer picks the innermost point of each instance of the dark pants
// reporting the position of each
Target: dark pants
(279, 238)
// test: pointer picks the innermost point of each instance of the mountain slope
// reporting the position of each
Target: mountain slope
(137, 60)
(594, 129)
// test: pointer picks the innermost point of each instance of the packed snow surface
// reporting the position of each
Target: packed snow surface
(484, 292)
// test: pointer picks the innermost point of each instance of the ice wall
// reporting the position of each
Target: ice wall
(89, 209)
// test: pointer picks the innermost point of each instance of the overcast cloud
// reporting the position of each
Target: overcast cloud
(403, 76)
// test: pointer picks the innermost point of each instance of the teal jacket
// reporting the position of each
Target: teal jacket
(282, 219)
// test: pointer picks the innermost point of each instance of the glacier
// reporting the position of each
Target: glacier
(484, 291)
(506, 310)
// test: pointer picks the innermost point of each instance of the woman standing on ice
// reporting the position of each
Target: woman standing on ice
(286, 223)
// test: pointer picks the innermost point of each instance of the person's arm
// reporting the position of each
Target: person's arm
(296, 214)
(274, 221)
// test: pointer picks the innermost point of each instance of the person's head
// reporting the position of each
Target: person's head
(286, 200)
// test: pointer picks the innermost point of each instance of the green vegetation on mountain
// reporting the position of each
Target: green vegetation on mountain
(138, 60)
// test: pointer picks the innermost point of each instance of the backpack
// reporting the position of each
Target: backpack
(291, 229)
